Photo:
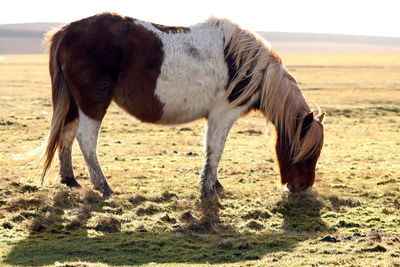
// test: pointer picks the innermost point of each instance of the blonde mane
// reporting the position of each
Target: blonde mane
(282, 101)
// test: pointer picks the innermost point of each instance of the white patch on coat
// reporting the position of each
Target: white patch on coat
(193, 74)
(87, 135)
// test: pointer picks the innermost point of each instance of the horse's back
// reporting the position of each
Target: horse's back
(156, 73)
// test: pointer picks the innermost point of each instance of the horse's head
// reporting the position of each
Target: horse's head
(297, 168)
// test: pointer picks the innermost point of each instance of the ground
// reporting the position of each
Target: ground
(350, 218)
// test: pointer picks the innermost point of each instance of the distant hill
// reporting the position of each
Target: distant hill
(320, 42)
(27, 38)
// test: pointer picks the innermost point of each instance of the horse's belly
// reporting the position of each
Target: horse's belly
(185, 102)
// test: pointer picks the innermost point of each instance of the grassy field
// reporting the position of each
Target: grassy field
(351, 217)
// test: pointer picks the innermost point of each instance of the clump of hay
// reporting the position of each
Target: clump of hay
(91, 197)
(108, 225)
(254, 225)
(137, 199)
(37, 225)
(149, 210)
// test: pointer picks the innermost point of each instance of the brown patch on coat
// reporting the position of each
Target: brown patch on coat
(107, 57)
(171, 29)
(72, 113)
(138, 79)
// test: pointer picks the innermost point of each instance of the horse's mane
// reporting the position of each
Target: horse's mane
(282, 101)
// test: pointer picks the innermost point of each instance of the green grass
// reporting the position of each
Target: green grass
(156, 216)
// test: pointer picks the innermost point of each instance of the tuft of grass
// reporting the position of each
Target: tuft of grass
(74, 225)
(24, 204)
(64, 199)
(226, 243)
(24, 215)
(256, 214)
(137, 199)
(149, 210)
(108, 224)
(37, 225)
(168, 219)
(92, 198)
(187, 217)
(29, 188)
(7, 225)
(347, 224)
(166, 196)
(337, 202)
(376, 248)
(254, 225)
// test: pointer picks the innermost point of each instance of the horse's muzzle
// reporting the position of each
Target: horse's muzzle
(292, 189)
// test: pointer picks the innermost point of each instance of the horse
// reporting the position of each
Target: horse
(172, 75)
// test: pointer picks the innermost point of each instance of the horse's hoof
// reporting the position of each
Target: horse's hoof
(209, 197)
(210, 203)
(70, 182)
(210, 209)
(107, 192)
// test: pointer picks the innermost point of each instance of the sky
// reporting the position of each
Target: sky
(356, 17)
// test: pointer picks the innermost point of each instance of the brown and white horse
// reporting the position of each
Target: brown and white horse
(171, 75)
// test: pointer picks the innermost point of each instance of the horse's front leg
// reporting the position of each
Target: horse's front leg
(218, 126)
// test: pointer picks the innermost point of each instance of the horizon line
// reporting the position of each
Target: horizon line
(269, 31)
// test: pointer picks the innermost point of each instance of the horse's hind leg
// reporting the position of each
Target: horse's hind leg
(218, 126)
(64, 154)
(65, 148)
(87, 135)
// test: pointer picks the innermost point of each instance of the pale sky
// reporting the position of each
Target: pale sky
(367, 17)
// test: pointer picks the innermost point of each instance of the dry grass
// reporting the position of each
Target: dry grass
(156, 216)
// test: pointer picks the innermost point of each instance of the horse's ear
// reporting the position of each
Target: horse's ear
(321, 117)
(308, 119)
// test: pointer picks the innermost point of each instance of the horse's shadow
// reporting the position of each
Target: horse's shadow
(301, 213)
(204, 241)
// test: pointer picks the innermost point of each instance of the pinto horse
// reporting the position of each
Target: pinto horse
(171, 75)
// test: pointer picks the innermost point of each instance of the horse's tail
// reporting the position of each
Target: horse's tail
(61, 97)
